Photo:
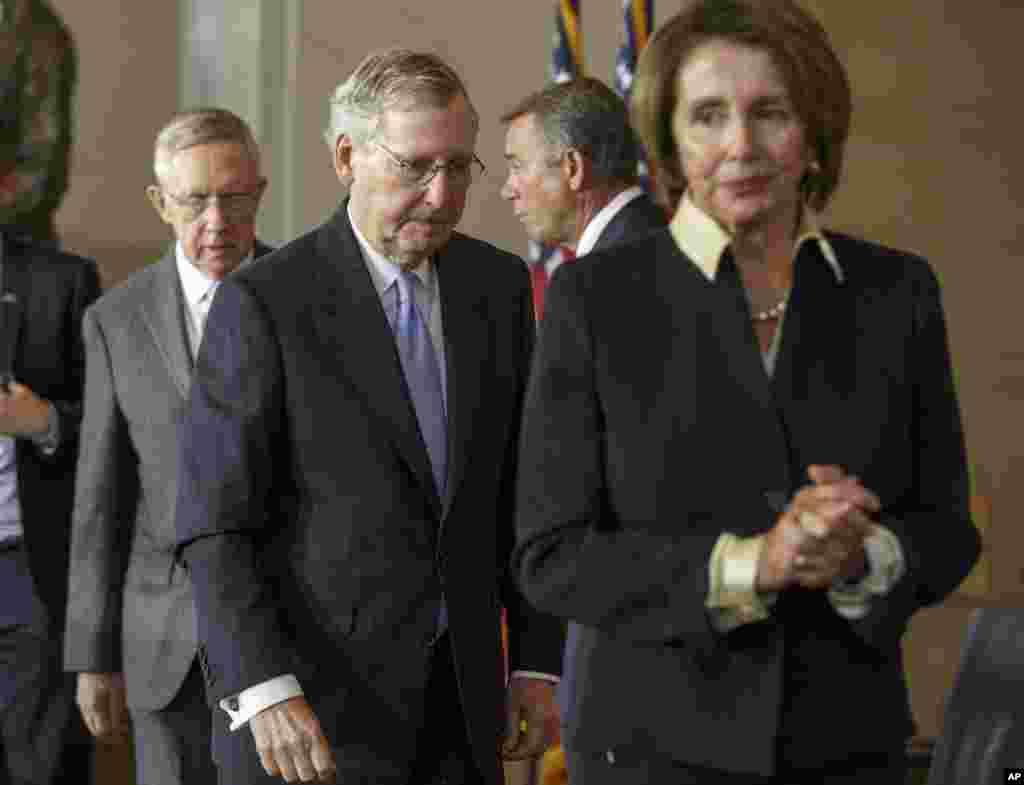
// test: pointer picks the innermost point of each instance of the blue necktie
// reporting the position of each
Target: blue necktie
(423, 378)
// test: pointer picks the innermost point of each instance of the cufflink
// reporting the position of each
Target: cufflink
(610, 757)
(232, 704)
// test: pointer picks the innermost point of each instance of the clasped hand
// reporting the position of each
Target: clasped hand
(819, 538)
(22, 412)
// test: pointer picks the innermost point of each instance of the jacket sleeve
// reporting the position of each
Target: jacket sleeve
(574, 557)
(84, 291)
(535, 638)
(229, 449)
(106, 495)
(932, 522)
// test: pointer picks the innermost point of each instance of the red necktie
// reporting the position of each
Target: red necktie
(539, 277)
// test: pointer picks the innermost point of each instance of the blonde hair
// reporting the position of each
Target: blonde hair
(383, 80)
(197, 126)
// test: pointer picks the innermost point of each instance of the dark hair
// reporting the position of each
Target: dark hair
(589, 116)
(814, 77)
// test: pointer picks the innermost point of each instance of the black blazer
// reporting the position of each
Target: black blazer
(53, 290)
(639, 217)
(636, 219)
(645, 438)
(307, 512)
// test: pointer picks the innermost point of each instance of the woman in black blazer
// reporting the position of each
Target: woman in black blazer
(743, 490)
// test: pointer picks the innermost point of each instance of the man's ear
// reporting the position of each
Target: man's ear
(156, 198)
(343, 150)
(576, 168)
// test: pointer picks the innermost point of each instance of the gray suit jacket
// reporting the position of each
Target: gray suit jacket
(130, 607)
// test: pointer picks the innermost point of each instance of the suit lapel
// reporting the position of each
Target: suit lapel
(466, 356)
(351, 320)
(734, 328)
(816, 369)
(163, 313)
(17, 281)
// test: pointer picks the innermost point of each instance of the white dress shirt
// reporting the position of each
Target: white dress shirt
(198, 291)
(604, 216)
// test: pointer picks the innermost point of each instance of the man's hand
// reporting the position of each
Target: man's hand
(532, 723)
(291, 744)
(101, 699)
(819, 538)
(22, 412)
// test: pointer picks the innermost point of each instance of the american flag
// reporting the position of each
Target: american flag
(567, 43)
(638, 17)
(566, 64)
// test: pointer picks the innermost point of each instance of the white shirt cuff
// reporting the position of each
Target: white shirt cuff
(886, 565)
(535, 675)
(251, 701)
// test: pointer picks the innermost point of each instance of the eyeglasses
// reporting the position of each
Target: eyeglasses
(418, 174)
(234, 207)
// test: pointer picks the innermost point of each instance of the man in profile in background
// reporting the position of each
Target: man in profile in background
(131, 619)
(572, 171)
(572, 180)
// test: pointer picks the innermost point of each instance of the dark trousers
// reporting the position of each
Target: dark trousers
(443, 755)
(43, 739)
(594, 769)
(172, 745)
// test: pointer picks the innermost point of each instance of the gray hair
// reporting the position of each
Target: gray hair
(386, 79)
(198, 126)
(587, 115)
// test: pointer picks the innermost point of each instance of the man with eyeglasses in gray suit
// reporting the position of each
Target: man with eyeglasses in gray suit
(131, 619)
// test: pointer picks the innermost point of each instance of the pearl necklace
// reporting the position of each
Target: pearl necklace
(775, 312)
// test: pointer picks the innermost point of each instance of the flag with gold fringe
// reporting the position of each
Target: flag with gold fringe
(566, 64)
(567, 46)
(638, 19)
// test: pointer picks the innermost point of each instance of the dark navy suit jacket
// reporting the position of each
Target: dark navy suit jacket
(649, 380)
(307, 510)
(637, 218)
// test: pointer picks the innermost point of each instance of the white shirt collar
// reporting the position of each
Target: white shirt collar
(194, 284)
(703, 240)
(382, 270)
(604, 216)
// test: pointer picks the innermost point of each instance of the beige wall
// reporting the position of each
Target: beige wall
(127, 87)
(932, 166)
(502, 49)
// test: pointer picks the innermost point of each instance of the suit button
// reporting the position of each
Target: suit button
(776, 500)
